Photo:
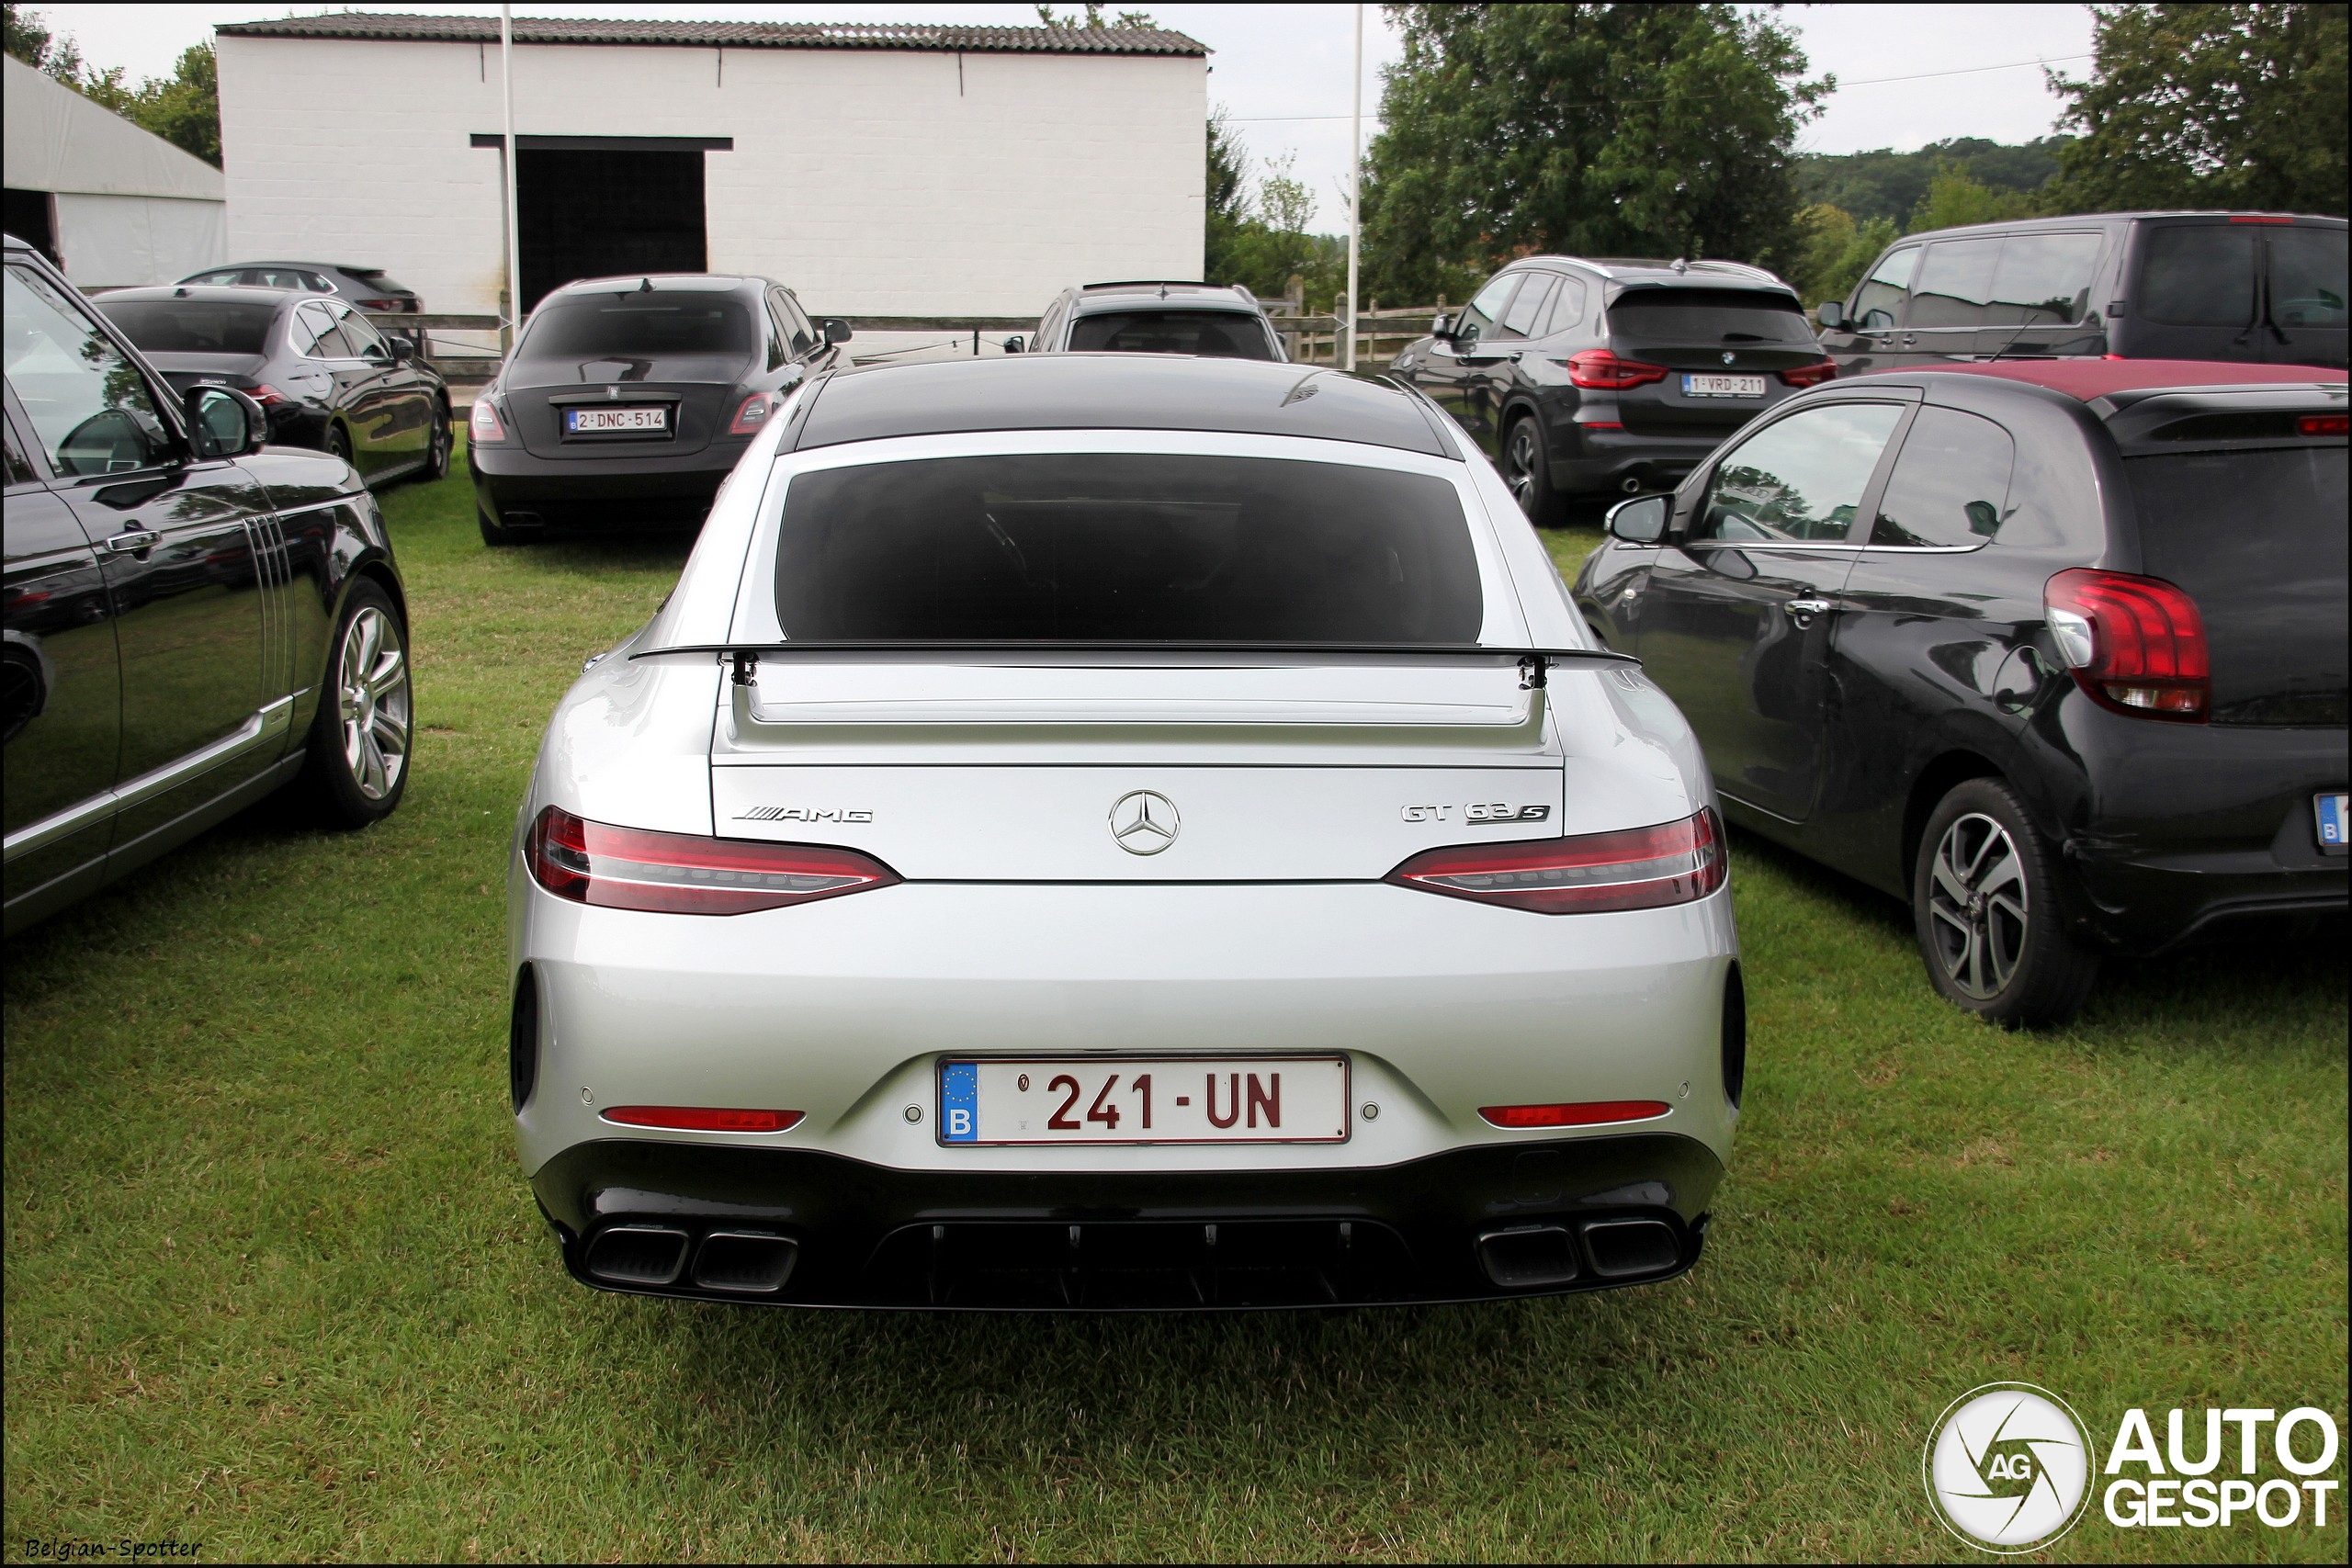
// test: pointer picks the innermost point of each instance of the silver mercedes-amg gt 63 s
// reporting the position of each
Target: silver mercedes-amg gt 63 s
(1120, 832)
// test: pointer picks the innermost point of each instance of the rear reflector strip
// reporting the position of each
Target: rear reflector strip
(1637, 868)
(1582, 1113)
(702, 1118)
(684, 874)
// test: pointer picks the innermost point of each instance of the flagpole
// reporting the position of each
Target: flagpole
(514, 175)
(1355, 194)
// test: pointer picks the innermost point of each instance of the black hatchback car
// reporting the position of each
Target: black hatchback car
(1584, 378)
(2055, 651)
(328, 378)
(627, 399)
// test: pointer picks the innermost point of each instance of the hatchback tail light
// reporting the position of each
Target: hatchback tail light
(753, 415)
(380, 304)
(1603, 371)
(1638, 868)
(484, 422)
(2136, 644)
(266, 395)
(1810, 374)
(684, 874)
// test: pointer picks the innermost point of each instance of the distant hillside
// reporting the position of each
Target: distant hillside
(1887, 184)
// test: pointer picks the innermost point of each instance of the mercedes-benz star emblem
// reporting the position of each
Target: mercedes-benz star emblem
(1145, 822)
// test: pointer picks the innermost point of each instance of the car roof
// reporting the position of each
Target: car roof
(1673, 275)
(2088, 380)
(660, 283)
(1113, 391)
(1093, 297)
(252, 292)
(2096, 219)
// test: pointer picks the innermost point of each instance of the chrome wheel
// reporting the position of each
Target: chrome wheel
(1978, 903)
(1522, 463)
(372, 696)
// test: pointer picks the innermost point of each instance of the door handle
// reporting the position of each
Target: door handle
(130, 541)
(1802, 611)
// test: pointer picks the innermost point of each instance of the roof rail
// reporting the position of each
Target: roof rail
(1148, 282)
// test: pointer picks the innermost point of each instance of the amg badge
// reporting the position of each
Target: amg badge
(802, 814)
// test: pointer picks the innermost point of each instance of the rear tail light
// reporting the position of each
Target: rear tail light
(1582, 1113)
(702, 1118)
(266, 395)
(2324, 424)
(684, 874)
(484, 423)
(751, 415)
(1603, 371)
(1811, 375)
(380, 304)
(2257, 218)
(1639, 868)
(2136, 644)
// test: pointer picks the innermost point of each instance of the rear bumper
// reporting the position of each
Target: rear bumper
(1587, 461)
(519, 490)
(821, 1230)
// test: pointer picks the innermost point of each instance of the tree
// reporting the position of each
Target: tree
(1886, 184)
(183, 109)
(1259, 238)
(1833, 251)
(2209, 105)
(1093, 19)
(1602, 130)
(1953, 200)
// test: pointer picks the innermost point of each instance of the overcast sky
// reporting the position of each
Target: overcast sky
(1908, 74)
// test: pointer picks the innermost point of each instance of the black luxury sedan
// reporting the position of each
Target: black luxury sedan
(627, 399)
(363, 287)
(2054, 649)
(1582, 377)
(1209, 320)
(194, 620)
(2258, 286)
(328, 380)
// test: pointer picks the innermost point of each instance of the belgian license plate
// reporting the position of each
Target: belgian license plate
(2329, 810)
(1723, 386)
(1135, 1100)
(615, 422)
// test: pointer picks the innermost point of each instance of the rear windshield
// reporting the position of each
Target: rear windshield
(376, 277)
(2258, 540)
(192, 326)
(1212, 334)
(645, 325)
(1709, 315)
(1118, 548)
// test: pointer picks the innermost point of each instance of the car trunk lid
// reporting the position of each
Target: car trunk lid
(691, 390)
(1706, 333)
(185, 370)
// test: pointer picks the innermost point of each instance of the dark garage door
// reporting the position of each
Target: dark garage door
(597, 213)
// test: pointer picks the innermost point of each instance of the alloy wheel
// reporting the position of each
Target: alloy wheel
(1520, 460)
(372, 694)
(1977, 900)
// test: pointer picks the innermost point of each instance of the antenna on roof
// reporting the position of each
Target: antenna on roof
(1682, 264)
(646, 286)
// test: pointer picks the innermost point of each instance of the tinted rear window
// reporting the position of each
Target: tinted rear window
(1709, 315)
(648, 325)
(1125, 547)
(192, 326)
(1212, 334)
(2257, 537)
(2307, 276)
(2198, 275)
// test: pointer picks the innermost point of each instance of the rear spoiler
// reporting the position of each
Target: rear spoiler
(1534, 662)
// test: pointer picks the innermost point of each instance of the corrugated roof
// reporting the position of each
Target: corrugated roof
(361, 25)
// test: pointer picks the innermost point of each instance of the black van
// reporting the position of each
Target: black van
(2261, 287)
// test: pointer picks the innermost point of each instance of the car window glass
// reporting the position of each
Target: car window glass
(1801, 479)
(1709, 317)
(309, 321)
(2198, 275)
(2044, 279)
(804, 335)
(1880, 303)
(318, 284)
(192, 326)
(1479, 316)
(1567, 306)
(230, 277)
(1955, 284)
(90, 407)
(331, 344)
(361, 334)
(634, 326)
(779, 344)
(2307, 276)
(1126, 546)
(1210, 334)
(19, 470)
(1951, 482)
(1527, 306)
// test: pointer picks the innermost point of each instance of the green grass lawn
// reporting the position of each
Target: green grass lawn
(275, 1284)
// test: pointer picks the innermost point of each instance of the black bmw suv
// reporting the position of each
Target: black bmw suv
(627, 399)
(1586, 378)
(2054, 649)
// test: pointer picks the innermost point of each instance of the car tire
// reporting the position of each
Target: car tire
(493, 534)
(1991, 927)
(1527, 469)
(361, 739)
(436, 452)
(338, 444)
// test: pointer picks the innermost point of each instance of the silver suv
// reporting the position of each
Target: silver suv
(1207, 321)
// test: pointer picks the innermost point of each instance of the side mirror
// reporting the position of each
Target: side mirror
(1013, 345)
(225, 422)
(1442, 327)
(1641, 521)
(1830, 313)
(836, 329)
(402, 350)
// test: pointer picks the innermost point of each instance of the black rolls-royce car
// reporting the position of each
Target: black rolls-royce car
(328, 378)
(627, 399)
(2054, 649)
(193, 619)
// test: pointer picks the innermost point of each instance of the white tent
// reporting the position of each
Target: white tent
(124, 206)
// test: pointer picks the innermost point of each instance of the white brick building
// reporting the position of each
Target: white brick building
(918, 170)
